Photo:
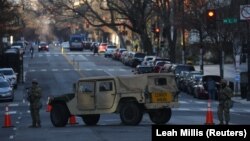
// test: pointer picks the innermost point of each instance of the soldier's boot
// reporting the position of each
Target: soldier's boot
(38, 125)
(33, 125)
(221, 123)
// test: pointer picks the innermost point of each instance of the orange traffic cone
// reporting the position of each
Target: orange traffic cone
(49, 107)
(72, 120)
(7, 119)
(209, 116)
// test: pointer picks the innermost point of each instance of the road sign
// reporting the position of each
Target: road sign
(245, 12)
(230, 20)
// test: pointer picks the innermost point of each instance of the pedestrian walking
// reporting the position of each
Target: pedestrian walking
(95, 49)
(211, 87)
(34, 97)
(31, 51)
(224, 106)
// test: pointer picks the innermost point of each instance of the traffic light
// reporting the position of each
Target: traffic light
(157, 32)
(211, 19)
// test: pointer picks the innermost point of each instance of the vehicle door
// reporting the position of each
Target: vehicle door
(105, 94)
(86, 95)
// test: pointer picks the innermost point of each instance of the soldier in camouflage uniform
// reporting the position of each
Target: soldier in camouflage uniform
(224, 98)
(34, 97)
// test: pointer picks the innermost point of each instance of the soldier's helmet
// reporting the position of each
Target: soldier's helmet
(223, 81)
(34, 81)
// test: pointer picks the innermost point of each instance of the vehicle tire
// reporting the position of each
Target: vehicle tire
(91, 119)
(59, 115)
(160, 116)
(131, 114)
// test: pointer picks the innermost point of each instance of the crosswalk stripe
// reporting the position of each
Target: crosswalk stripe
(13, 105)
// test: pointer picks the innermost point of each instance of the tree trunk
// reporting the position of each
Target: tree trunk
(146, 44)
(122, 42)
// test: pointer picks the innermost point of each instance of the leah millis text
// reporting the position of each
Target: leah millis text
(182, 132)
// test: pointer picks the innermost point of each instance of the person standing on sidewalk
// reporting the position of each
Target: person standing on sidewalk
(224, 98)
(34, 96)
(211, 87)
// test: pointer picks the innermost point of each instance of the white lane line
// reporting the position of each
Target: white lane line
(12, 112)
(43, 70)
(183, 102)
(88, 69)
(100, 69)
(40, 55)
(122, 70)
(48, 55)
(247, 110)
(11, 137)
(13, 105)
(28, 111)
(111, 69)
(182, 109)
(56, 55)
(200, 102)
(32, 70)
(54, 69)
(66, 69)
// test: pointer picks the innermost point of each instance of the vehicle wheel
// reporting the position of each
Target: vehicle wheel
(91, 119)
(131, 114)
(160, 116)
(59, 115)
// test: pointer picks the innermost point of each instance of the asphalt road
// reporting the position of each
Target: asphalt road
(56, 73)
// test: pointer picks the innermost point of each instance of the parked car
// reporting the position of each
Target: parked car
(10, 75)
(102, 47)
(6, 91)
(109, 50)
(20, 48)
(43, 46)
(140, 69)
(117, 53)
(136, 59)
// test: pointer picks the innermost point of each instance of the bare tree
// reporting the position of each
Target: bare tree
(130, 14)
(10, 23)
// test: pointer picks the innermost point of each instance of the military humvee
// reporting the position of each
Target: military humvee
(130, 96)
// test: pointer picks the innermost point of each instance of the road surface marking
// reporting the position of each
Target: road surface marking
(13, 105)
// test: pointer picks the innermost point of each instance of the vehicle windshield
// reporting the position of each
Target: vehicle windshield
(184, 68)
(111, 47)
(4, 84)
(6, 72)
(76, 39)
(140, 55)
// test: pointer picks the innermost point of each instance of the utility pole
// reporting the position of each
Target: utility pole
(248, 57)
(183, 35)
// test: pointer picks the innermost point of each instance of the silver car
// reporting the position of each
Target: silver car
(10, 75)
(6, 91)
